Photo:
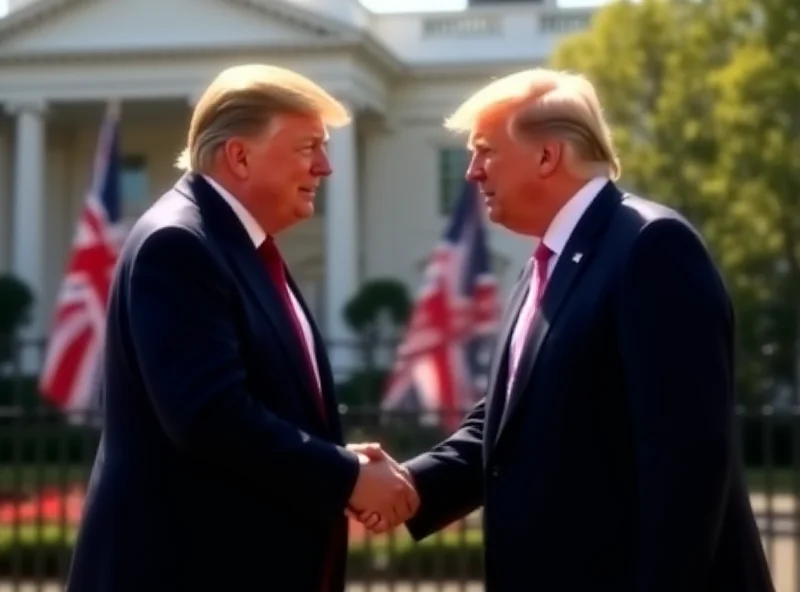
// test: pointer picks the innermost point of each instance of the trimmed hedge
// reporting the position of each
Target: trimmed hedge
(32, 550)
(456, 553)
(45, 552)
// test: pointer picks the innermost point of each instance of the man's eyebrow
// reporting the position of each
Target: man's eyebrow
(315, 138)
(474, 143)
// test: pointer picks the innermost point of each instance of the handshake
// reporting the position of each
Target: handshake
(384, 495)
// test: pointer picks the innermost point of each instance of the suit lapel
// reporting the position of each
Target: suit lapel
(575, 257)
(241, 253)
(496, 389)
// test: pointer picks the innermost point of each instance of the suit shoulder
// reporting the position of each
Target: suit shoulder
(168, 236)
(644, 230)
(639, 217)
(173, 220)
(645, 212)
(663, 237)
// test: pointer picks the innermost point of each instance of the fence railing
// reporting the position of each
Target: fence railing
(45, 462)
(45, 459)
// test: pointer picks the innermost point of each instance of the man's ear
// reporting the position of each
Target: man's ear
(550, 156)
(235, 152)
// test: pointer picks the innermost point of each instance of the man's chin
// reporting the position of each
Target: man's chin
(494, 214)
(305, 210)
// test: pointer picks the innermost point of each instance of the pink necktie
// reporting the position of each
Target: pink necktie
(541, 258)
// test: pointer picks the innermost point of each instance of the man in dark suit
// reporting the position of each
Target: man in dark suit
(222, 465)
(604, 453)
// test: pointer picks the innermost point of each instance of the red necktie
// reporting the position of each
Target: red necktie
(276, 268)
(541, 259)
(277, 272)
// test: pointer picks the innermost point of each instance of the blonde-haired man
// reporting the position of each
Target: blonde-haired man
(222, 465)
(603, 453)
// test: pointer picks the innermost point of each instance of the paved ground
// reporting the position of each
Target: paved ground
(783, 556)
(783, 559)
(777, 517)
(421, 587)
(376, 587)
(30, 587)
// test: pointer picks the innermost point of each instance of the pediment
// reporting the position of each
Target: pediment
(114, 26)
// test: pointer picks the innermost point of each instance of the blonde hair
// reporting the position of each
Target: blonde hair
(243, 100)
(549, 102)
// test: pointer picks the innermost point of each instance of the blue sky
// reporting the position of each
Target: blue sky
(412, 5)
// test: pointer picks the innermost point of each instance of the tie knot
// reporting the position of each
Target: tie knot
(542, 254)
(268, 248)
(271, 257)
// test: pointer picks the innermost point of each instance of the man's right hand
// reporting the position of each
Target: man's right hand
(382, 487)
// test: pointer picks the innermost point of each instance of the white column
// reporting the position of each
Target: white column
(341, 244)
(5, 201)
(28, 206)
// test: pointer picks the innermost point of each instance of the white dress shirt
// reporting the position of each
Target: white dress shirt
(555, 239)
(258, 236)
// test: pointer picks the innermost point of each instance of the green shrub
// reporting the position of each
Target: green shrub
(34, 551)
(16, 301)
(451, 555)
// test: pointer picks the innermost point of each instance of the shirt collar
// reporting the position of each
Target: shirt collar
(253, 228)
(569, 215)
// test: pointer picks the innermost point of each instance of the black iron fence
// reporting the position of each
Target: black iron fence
(45, 460)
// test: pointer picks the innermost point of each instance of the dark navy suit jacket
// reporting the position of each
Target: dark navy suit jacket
(615, 464)
(216, 469)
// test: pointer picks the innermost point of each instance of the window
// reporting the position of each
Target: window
(134, 186)
(453, 164)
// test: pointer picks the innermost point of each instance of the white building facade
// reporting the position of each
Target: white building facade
(396, 171)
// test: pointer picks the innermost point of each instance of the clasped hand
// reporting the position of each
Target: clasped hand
(384, 495)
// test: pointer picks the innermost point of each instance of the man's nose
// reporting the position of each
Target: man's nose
(322, 167)
(475, 173)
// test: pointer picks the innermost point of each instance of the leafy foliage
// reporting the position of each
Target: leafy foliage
(377, 298)
(704, 100)
(376, 314)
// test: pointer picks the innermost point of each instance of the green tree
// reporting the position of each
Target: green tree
(377, 314)
(699, 95)
(757, 173)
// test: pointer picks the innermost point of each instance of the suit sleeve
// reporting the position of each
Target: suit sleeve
(449, 477)
(676, 332)
(181, 312)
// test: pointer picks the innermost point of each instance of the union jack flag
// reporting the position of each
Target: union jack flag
(442, 364)
(75, 341)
